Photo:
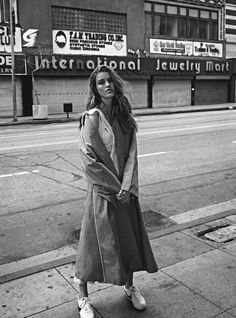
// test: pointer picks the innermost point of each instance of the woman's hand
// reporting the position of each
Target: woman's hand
(123, 196)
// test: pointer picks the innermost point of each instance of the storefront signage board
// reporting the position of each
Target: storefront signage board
(5, 39)
(88, 43)
(6, 64)
(74, 65)
(186, 48)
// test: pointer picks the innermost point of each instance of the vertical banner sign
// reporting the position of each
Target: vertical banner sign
(5, 39)
(89, 43)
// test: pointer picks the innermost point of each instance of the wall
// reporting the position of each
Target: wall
(6, 103)
(37, 14)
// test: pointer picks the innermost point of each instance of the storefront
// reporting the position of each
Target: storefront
(6, 99)
(174, 82)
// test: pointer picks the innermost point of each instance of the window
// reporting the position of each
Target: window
(88, 20)
(148, 24)
(181, 22)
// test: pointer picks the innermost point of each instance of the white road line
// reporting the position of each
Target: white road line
(139, 134)
(34, 134)
(18, 173)
(40, 145)
(184, 129)
(203, 212)
(154, 154)
(6, 175)
(234, 142)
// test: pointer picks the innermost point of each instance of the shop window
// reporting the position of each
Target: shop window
(171, 10)
(214, 30)
(181, 22)
(88, 20)
(193, 13)
(148, 24)
(171, 26)
(160, 23)
(160, 8)
(183, 11)
(193, 28)
(147, 6)
(183, 27)
(204, 29)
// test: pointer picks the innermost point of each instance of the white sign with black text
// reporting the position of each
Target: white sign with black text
(5, 39)
(89, 43)
(188, 48)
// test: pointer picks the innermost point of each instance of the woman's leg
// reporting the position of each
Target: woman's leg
(133, 294)
(83, 289)
(129, 282)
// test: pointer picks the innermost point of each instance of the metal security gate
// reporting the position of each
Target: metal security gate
(136, 91)
(168, 93)
(6, 103)
(55, 91)
(211, 92)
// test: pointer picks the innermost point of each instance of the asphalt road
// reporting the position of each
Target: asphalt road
(186, 161)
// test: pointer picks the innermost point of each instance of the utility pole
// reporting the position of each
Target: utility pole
(13, 77)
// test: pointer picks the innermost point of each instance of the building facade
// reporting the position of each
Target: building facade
(170, 53)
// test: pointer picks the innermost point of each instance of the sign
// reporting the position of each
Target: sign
(84, 65)
(192, 67)
(187, 48)
(6, 64)
(5, 39)
(29, 37)
(89, 43)
(207, 49)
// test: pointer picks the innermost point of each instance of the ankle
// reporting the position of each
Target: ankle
(127, 286)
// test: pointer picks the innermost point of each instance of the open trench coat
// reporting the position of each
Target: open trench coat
(113, 240)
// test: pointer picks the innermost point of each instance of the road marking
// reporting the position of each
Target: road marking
(184, 129)
(140, 134)
(154, 154)
(33, 134)
(18, 173)
(203, 212)
(234, 142)
(40, 145)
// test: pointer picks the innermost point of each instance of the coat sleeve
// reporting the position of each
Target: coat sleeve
(130, 175)
(98, 167)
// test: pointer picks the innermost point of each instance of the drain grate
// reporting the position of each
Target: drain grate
(220, 234)
(156, 221)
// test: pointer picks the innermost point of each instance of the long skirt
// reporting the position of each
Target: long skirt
(113, 242)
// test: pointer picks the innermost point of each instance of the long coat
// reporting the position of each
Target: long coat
(113, 241)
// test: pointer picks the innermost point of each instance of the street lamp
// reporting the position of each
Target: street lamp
(12, 33)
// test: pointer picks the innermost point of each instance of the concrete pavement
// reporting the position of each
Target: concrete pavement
(197, 279)
(57, 118)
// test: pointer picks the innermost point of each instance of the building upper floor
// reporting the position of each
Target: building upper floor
(150, 28)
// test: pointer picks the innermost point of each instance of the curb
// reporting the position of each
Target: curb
(67, 254)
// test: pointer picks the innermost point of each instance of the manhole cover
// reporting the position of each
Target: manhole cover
(222, 235)
(156, 221)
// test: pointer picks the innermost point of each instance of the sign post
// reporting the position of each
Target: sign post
(12, 32)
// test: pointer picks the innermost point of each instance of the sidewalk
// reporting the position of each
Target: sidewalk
(58, 118)
(197, 279)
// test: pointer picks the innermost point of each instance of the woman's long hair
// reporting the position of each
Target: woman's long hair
(121, 108)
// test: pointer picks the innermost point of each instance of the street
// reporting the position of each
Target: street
(186, 162)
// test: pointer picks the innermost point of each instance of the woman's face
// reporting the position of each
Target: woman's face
(105, 85)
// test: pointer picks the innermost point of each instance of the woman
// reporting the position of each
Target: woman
(113, 241)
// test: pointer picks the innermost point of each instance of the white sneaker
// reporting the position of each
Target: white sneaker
(133, 294)
(85, 308)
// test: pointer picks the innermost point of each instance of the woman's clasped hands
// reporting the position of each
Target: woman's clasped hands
(123, 196)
